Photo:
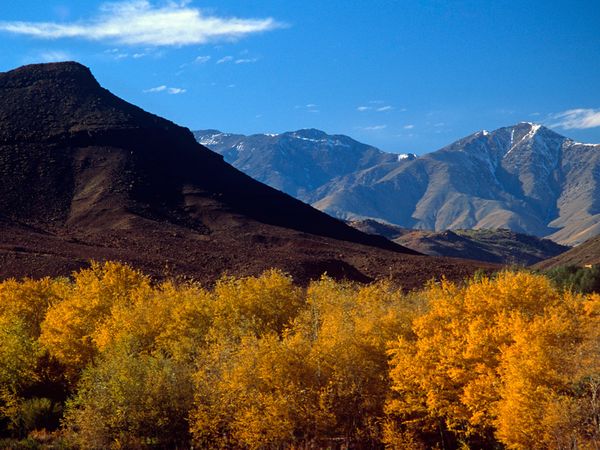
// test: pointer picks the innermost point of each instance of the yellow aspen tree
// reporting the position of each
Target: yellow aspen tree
(447, 377)
(551, 379)
(69, 326)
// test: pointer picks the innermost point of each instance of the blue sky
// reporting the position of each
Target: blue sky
(405, 75)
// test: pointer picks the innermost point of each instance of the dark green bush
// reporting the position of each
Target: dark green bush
(579, 279)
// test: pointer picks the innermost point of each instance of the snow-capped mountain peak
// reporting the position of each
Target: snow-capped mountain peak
(525, 177)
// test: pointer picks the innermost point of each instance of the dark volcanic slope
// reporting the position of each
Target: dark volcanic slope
(90, 153)
(87, 175)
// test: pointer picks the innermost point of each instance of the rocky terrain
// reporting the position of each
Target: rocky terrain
(499, 246)
(586, 254)
(86, 175)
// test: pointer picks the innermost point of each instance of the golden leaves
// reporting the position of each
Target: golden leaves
(258, 362)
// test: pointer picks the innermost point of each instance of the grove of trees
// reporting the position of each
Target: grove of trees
(110, 359)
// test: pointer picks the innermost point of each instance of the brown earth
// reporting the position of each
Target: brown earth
(499, 246)
(86, 175)
(587, 253)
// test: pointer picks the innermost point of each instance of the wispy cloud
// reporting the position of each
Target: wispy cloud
(164, 88)
(577, 118)
(118, 54)
(410, 126)
(54, 56)
(139, 22)
(309, 107)
(364, 108)
(201, 59)
(231, 59)
(246, 60)
(374, 127)
(156, 89)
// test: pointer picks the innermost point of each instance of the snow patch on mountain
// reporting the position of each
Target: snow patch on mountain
(527, 137)
(585, 145)
(406, 156)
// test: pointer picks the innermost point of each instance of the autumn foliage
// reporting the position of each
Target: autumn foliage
(109, 359)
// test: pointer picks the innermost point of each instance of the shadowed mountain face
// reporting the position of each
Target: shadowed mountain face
(525, 178)
(584, 254)
(499, 246)
(75, 154)
(299, 162)
(87, 175)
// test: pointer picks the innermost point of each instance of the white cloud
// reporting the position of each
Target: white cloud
(54, 56)
(168, 90)
(363, 108)
(409, 126)
(201, 59)
(118, 54)
(246, 60)
(138, 22)
(157, 89)
(375, 127)
(309, 107)
(225, 59)
(577, 118)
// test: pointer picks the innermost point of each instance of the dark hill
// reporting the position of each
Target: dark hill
(585, 254)
(499, 246)
(88, 175)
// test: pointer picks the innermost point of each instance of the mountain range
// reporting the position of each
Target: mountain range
(525, 177)
(86, 175)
